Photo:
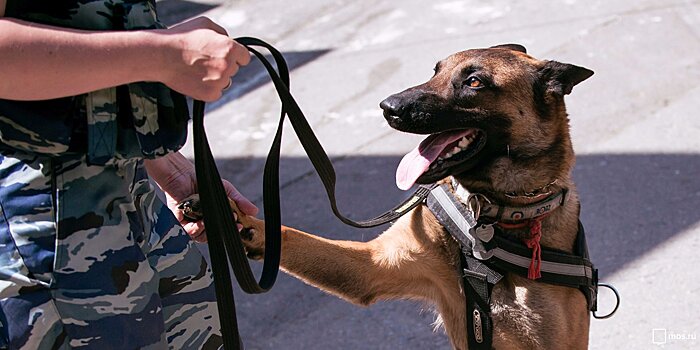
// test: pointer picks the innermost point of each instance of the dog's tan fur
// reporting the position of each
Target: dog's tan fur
(416, 259)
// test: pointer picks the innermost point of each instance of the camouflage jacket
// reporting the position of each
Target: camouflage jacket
(90, 257)
(139, 120)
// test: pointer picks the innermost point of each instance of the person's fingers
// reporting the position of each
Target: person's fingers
(178, 214)
(201, 238)
(240, 54)
(231, 71)
(196, 230)
(246, 206)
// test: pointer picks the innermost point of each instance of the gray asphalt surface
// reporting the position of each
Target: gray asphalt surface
(634, 124)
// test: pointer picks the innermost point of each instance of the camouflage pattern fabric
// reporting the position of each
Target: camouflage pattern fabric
(90, 257)
(158, 116)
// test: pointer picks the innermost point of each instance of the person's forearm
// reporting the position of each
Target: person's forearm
(43, 62)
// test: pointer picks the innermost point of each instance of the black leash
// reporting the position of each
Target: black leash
(224, 240)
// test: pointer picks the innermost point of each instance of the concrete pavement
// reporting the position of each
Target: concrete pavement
(635, 128)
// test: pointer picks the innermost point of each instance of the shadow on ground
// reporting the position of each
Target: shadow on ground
(631, 203)
(175, 11)
(254, 75)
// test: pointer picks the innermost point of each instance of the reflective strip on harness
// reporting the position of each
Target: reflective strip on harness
(547, 266)
(463, 220)
(457, 221)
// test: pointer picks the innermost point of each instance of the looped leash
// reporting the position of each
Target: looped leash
(224, 240)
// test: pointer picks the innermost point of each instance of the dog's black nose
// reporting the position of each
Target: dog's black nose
(393, 107)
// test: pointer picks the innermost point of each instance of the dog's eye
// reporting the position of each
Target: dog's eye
(474, 83)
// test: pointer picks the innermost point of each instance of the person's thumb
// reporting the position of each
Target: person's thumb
(246, 206)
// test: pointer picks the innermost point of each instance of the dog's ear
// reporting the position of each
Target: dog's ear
(514, 47)
(560, 78)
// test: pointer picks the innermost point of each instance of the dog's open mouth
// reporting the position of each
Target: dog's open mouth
(437, 155)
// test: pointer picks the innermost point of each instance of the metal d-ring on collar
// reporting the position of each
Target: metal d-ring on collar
(473, 200)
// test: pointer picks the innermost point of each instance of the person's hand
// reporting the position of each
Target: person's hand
(201, 59)
(175, 175)
(196, 229)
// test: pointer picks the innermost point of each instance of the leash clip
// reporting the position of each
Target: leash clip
(191, 209)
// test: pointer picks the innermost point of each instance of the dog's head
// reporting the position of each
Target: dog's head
(479, 106)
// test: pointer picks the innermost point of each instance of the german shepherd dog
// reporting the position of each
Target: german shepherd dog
(497, 124)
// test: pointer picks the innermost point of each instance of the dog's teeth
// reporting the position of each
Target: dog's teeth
(463, 143)
(456, 150)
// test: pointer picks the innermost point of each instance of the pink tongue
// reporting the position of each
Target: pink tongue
(416, 162)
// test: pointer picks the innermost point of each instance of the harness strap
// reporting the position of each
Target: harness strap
(557, 267)
(485, 258)
(477, 282)
(477, 278)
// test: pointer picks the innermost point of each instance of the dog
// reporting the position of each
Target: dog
(497, 125)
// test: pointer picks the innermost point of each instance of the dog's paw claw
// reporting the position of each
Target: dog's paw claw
(251, 231)
(247, 234)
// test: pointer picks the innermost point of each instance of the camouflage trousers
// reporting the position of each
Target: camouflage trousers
(91, 258)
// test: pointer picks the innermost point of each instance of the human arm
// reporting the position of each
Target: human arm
(175, 175)
(195, 58)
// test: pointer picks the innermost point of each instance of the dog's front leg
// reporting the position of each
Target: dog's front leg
(404, 262)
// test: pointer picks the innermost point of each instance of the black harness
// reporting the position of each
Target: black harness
(487, 255)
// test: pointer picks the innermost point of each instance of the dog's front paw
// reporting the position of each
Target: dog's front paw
(252, 232)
